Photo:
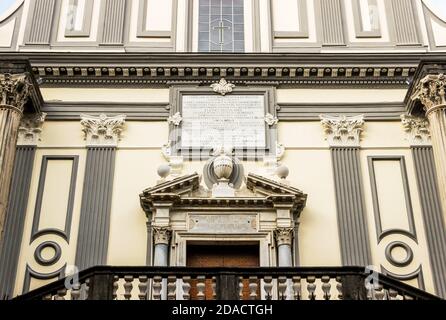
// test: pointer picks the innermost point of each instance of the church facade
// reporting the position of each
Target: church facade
(165, 136)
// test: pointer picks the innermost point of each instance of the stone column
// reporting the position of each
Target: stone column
(161, 239)
(431, 92)
(14, 93)
(284, 238)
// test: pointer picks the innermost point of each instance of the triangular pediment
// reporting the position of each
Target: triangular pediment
(258, 192)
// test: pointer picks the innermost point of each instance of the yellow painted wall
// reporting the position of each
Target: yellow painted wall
(307, 155)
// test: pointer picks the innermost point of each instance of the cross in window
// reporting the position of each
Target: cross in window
(221, 30)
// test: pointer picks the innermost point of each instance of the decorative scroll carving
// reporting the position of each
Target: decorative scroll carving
(30, 129)
(161, 235)
(417, 129)
(175, 162)
(271, 120)
(175, 119)
(14, 91)
(271, 162)
(102, 130)
(283, 236)
(431, 91)
(222, 87)
(343, 130)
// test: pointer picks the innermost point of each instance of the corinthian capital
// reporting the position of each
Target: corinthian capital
(14, 91)
(417, 130)
(102, 130)
(30, 129)
(431, 92)
(283, 236)
(343, 130)
(161, 235)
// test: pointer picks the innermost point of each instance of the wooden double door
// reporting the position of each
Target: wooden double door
(237, 255)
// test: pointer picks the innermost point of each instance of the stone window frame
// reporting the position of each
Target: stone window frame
(86, 23)
(243, 23)
(358, 20)
(142, 32)
(271, 135)
(303, 23)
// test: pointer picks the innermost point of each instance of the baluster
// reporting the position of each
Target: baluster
(171, 288)
(128, 286)
(76, 292)
(186, 288)
(379, 292)
(253, 286)
(61, 294)
(157, 280)
(214, 288)
(240, 287)
(86, 289)
(115, 287)
(326, 286)
(311, 287)
(201, 287)
(143, 286)
(339, 287)
(48, 297)
(282, 288)
(297, 288)
(268, 286)
(393, 294)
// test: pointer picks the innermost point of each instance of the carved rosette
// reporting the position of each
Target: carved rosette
(102, 130)
(431, 92)
(271, 120)
(161, 235)
(222, 87)
(14, 91)
(30, 129)
(175, 119)
(283, 236)
(417, 130)
(343, 131)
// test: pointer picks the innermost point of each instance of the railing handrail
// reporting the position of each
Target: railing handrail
(259, 272)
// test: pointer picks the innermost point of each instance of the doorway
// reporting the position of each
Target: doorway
(221, 255)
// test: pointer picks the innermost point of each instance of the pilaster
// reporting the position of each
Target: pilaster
(102, 135)
(344, 135)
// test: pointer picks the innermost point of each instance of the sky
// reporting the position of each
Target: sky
(439, 5)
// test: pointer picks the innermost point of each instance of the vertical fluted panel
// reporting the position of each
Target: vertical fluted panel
(15, 219)
(42, 19)
(437, 121)
(331, 21)
(92, 243)
(405, 22)
(113, 21)
(432, 216)
(9, 124)
(352, 221)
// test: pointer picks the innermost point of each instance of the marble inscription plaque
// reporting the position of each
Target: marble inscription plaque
(232, 120)
(223, 223)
